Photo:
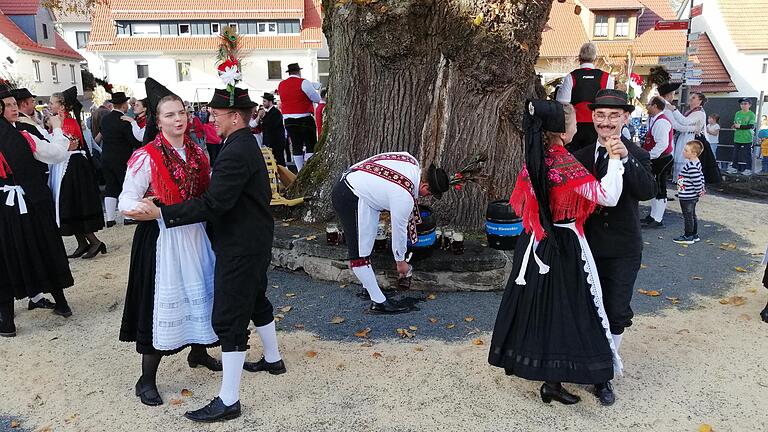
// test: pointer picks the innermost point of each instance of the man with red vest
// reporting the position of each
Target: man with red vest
(658, 143)
(579, 89)
(297, 96)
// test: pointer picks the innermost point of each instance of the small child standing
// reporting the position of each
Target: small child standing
(690, 186)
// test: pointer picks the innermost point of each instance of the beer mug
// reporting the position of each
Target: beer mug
(447, 239)
(332, 234)
(457, 245)
(380, 245)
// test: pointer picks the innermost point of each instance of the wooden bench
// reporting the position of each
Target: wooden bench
(274, 182)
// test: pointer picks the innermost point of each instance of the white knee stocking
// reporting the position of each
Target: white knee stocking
(368, 279)
(268, 336)
(232, 363)
(110, 205)
(658, 206)
(299, 161)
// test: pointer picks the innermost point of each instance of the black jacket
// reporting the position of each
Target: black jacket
(26, 171)
(273, 129)
(615, 231)
(236, 202)
(118, 141)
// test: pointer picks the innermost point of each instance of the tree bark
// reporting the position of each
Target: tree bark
(433, 78)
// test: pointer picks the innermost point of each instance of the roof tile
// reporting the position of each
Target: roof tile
(746, 22)
(715, 77)
(19, 7)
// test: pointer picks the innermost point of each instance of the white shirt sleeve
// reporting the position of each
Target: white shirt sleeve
(610, 187)
(610, 83)
(136, 182)
(566, 88)
(54, 151)
(400, 212)
(660, 133)
(138, 132)
(692, 123)
(310, 91)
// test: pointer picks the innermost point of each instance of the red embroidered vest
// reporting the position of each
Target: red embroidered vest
(293, 100)
(650, 142)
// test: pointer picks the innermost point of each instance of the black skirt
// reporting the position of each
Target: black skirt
(79, 199)
(32, 255)
(140, 297)
(549, 329)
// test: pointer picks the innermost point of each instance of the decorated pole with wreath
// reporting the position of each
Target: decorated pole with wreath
(442, 79)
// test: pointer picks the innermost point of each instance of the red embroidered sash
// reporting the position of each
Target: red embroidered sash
(5, 169)
(371, 167)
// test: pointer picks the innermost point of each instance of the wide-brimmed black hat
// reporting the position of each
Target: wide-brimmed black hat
(118, 98)
(294, 67)
(438, 181)
(223, 99)
(268, 96)
(21, 94)
(668, 88)
(5, 91)
(610, 98)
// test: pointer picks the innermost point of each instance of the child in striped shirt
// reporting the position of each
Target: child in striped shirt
(690, 186)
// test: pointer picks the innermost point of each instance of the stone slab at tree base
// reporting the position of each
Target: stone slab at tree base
(480, 268)
(755, 185)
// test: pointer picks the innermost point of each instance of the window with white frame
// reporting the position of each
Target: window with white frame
(765, 65)
(601, 26)
(142, 71)
(622, 26)
(145, 29)
(324, 71)
(274, 70)
(267, 28)
(184, 71)
(72, 73)
(55, 72)
(36, 66)
(234, 27)
(215, 28)
(82, 38)
(184, 30)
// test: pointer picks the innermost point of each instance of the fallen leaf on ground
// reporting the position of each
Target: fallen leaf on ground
(478, 341)
(291, 295)
(683, 331)
(363, 333)
(651, 293)
(298, 326)
(405, 333)
(681, 254)
(337, 320)
(745, 317)
(643, 266)
(15, 424)
(431, 296)
(697, 278)
(312, 237)
(418, 348)
(734, 300)
(186, 392)
(433, 320)
(450, 326)
(340, 366)
(414, 328)
(728, 246)
(311, 354)
(705, 428)
(279, 316)
(469, 318)
(296, 236)
(286, 309)
(740, 269)
(752, 290)
(108, 276)
(176, 402)
(377, 355)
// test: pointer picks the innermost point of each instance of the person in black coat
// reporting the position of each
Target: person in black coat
(614, 234)
(118, 143)
(273, 129)
(236, 205)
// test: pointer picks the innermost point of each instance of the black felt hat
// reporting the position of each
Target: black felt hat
(119, 98)
(438, 181)
(22, 93)
(610, 98)
(294, 67)
(239, 100)
(268, 96)
(5, 91)
(668, 88)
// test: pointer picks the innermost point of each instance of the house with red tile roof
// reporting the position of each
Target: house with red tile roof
(622, 30)
(733, 47)
(32, 53)
(176, 42)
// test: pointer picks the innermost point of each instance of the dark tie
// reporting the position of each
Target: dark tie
(598, 170)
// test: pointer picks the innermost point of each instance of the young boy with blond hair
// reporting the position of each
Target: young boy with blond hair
(690, 186)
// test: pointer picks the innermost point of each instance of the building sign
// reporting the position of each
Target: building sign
(671, 25)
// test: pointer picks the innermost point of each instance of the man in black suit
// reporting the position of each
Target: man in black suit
(237, 206)
(117, 143)
(273, 129)
(614, 234)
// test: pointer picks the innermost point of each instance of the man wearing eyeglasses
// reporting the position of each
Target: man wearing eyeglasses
(614, 234)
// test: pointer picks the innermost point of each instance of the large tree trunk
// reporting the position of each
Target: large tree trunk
(432, 78)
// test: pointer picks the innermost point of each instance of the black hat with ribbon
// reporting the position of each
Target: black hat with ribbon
(610, 98)
(223, 99)
(155, 92)
(294, 67)
(268, 96)
(119, 98)
(438, 181)
(22, 93)
(668, 88)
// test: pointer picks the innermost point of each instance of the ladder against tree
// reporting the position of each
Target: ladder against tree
(274, 182)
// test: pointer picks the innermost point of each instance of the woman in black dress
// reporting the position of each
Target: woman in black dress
(551, 324)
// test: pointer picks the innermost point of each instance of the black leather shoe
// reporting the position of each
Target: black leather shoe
(549, 393)
(148, 394)
(110, 224)
(100, 248)
(207, 361)
(764, 314)
(214, 411)
(80, 251)
(63, 310)
(7, 327)
(44, 303)
(654, 224)
(646, 220)
(276, 368)
(387, 307)
(604, 392)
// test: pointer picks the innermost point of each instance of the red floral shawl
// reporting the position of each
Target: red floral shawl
(173, 180)
(565, 175)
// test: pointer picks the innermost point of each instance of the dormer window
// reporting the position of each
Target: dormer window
(601, 26)
(45, 31)
(267, 28)
(184, 30)
(622, 26)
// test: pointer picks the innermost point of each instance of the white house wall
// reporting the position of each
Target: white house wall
(121, 70)
(22, 67)
(69, 33)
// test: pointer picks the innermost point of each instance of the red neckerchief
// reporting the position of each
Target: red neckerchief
(565, 175)
(693, 110)
(141, 120)
(371, 167)
(174, 180)
(72, 130)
